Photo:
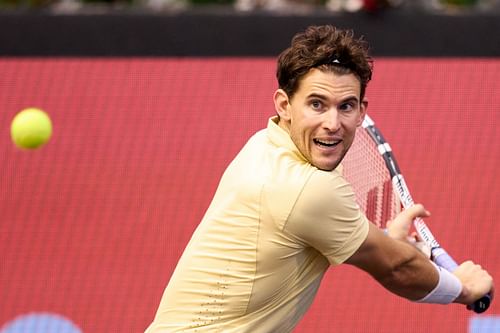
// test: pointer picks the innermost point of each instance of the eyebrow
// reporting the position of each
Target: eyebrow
(319, 96)
(350, 99)
(323, 97)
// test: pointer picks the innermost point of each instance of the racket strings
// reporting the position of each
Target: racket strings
(364, 168)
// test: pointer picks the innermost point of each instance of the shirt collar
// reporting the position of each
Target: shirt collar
(281, 138)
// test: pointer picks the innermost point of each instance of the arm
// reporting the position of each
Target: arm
(396, 265)
(407, 272)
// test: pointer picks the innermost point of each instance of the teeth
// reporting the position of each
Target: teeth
(328, 143)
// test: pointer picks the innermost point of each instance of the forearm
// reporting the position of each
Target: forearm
(401, 268)
(405, 271)
(410, 275)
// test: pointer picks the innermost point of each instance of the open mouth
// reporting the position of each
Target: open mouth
(326, 143)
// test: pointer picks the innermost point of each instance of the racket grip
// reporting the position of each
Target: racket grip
(443, 259)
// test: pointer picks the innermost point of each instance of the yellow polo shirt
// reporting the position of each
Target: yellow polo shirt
(255, 262)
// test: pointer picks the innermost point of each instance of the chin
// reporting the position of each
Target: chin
(326, 166)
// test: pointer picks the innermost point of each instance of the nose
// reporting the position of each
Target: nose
(331, 121)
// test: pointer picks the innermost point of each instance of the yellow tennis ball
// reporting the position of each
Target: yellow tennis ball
(31, 128)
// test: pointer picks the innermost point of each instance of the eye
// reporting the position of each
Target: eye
(347, 107)
(316, 104)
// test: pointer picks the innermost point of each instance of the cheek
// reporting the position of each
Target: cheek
(301, 129)
(299, 136)
(296, 134)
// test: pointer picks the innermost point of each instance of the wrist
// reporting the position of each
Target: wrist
(448, 289)
(464, 296)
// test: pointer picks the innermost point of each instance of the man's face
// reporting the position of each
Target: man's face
(322, 116)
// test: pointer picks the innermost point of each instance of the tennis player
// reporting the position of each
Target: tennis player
(283, 214)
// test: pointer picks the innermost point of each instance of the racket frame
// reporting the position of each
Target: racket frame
(438, 254)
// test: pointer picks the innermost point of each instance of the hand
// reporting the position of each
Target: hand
(476, 282)
(399, 228)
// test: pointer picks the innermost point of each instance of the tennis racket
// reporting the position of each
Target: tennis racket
(380, 189)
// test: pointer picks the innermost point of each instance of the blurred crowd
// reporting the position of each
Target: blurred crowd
(361, 5)
(277, 6)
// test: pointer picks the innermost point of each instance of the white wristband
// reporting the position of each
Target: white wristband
(447, 290)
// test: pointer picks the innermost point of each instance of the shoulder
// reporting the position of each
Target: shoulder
(327, 187)
(327, 194)
(327, 217)
(284, 185)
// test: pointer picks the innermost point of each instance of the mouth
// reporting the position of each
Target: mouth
(327, 143)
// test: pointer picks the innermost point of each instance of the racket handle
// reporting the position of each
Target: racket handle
(481, 304)
(443, 259)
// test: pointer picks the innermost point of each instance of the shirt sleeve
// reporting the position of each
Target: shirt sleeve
(327, 217)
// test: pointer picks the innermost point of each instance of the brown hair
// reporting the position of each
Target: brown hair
(327, 48)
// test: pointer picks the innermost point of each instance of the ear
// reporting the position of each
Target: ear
(282, 104)
(362, 111)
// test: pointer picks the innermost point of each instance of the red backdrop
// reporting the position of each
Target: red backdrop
(92, 224)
